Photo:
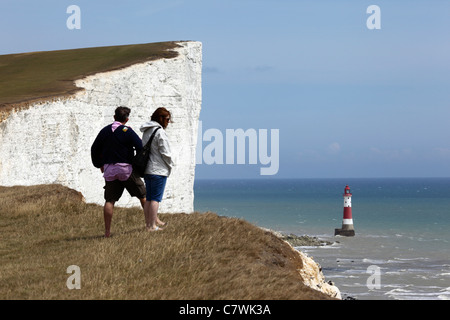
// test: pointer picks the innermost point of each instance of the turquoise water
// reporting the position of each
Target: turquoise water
(402, 227)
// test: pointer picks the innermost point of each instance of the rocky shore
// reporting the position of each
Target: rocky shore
(300, 241)
(304, 241)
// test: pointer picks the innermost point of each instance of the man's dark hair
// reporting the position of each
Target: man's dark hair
(121, 114)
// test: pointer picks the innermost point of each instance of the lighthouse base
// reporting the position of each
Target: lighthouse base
(344, 232)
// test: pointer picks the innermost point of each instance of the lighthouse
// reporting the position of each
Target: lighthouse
(347, 222)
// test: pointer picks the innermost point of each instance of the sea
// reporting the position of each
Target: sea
(401, 247)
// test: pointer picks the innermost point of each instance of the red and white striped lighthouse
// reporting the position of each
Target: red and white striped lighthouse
(347, 222)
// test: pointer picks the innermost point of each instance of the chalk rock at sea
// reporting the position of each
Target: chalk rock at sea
(311, 272)
(313, 277)
(49, 142)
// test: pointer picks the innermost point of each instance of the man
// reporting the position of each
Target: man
(113, 152)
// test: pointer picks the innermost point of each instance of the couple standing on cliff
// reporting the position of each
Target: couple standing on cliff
(113, 152)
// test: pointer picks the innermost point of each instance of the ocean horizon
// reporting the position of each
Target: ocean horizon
(401, 224)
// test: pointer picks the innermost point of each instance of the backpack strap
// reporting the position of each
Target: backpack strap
(149, 142)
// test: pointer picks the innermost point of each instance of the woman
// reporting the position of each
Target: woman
(159, 166)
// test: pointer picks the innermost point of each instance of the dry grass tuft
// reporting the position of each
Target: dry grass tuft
(47, 228)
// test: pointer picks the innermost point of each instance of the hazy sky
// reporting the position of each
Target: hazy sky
(348, 101)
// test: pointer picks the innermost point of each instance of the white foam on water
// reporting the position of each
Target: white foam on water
(374, 261)
(445, 294)
(331, 247)
(416, 294)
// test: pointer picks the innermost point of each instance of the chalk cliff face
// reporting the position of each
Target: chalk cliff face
(311, 272)
(313, 277)
(50, 141)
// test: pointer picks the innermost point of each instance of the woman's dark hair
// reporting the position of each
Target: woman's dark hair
(122, 114)
(160, 115)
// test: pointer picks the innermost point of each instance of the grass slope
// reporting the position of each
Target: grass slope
(40, 75)
(47, 228)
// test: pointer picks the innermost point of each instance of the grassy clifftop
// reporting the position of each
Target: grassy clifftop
(39, 75)
(46, 229)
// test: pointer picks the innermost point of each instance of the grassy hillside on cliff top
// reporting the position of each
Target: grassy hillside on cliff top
(45, 229)
(38, 75)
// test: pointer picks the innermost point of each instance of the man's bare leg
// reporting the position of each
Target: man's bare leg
(142, 202)
(108, 210)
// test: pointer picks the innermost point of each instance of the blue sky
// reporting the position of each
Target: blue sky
(348, 101)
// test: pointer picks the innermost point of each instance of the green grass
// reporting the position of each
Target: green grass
(40, 75)
(47, 228)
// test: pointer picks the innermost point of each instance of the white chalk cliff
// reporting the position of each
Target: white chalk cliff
(50, 141)
(313, 277)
